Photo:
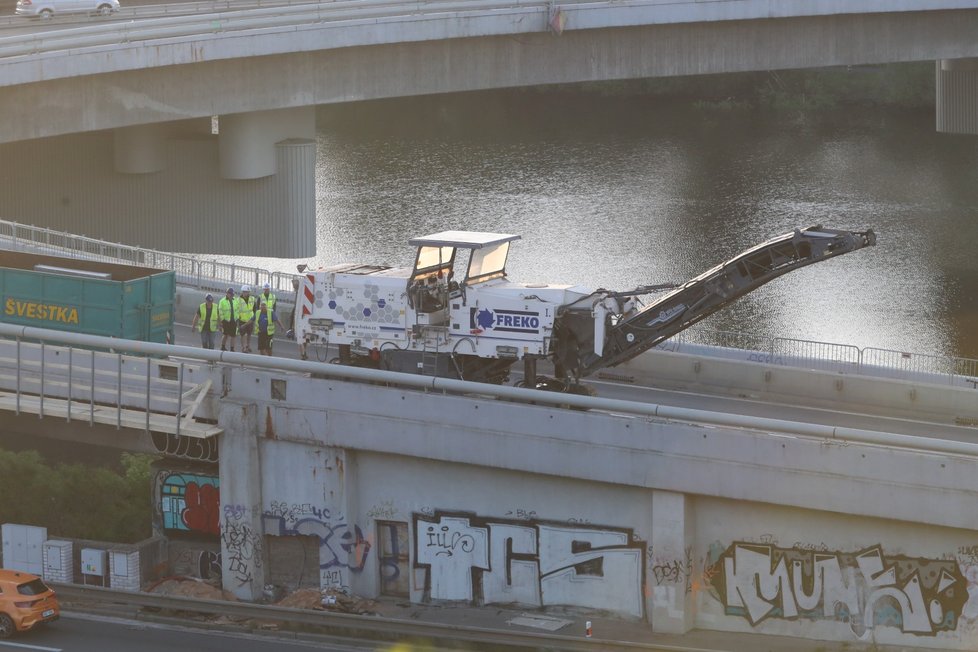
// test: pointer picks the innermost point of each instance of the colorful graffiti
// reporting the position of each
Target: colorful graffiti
(342, 546)
(533, 563)
(190, 502)
(866, 588)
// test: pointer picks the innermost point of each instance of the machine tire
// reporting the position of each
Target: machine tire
(104, 10)
(45, 14)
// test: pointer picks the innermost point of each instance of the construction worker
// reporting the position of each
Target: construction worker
(265, 322)
(207, 317)
(267, 297)
(246, 317)
(227, 312)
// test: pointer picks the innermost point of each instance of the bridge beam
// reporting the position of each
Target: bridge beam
(957, 96)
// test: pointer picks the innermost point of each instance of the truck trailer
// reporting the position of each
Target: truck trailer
(84, 296)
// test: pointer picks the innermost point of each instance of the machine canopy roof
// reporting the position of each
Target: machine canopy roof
(462, 239)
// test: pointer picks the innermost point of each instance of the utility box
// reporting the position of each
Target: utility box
(94, 565)
(84, 296)
(22, 547)
(124, 570)
(59, 565)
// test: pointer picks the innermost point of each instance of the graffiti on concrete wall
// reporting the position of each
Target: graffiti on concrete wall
(866, 588)
(205, 564)
(190, 502)
(530, 562)
(343, 548)
(967, 557)
(242, 544)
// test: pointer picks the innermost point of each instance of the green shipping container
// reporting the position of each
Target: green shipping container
(82, 296)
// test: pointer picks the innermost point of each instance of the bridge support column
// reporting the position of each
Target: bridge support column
(670, 599)
(242, 537)
(247, 140)
(957, 96)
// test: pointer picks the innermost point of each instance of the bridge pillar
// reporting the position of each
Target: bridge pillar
(246, 141)
(957, 96)
(242, 537)
(671, 600)
(139, 149)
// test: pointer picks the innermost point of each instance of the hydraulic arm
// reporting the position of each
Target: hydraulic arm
(605, 329)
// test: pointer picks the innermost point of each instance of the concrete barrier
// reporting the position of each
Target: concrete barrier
(776, 383)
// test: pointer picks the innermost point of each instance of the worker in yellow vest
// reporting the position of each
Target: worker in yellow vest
(227, 312)
(207, 317)
(267, 297)
(246, 317)
(265, 322)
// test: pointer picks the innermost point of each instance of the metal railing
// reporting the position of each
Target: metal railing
(92, 386)
(191, 271)
(838, 358)
(212, 20)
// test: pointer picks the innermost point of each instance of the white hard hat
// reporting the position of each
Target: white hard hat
(246, 288)
(266, 287)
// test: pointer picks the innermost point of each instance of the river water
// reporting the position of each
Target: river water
(615, 192)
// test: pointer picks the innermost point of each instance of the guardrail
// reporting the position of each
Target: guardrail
(359, 626)
(839, 358)
(216, 17)
(266, 17)
(129, 12)
(191, 271)
(110, 388)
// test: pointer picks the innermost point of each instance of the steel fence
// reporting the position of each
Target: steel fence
(191, 271)
(841, 358)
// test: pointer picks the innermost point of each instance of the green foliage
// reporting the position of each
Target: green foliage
(76, 501)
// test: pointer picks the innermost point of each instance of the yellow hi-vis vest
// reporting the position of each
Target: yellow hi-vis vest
(245, 308)
(203, 316)
(268, 300)
(271, 322)
(224, 308)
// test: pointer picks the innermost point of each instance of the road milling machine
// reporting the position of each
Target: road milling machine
(475, 325)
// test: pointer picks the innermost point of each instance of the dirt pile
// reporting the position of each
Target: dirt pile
(327, 600)
(191, 587)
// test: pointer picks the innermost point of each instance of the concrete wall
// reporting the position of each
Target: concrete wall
(662, 521)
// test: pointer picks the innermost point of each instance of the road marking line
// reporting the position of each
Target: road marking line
(30, 647)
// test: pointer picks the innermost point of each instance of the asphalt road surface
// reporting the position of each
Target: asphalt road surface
(82, 633)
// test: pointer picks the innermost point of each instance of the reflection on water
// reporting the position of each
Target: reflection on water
(617, 192)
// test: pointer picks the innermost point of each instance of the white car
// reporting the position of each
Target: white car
(44, 9)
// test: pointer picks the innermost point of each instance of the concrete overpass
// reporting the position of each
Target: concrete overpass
(441, 490)
(136, 97)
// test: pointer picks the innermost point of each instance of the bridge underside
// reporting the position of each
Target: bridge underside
(177, 187)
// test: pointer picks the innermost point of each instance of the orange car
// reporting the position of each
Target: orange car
(25, 601)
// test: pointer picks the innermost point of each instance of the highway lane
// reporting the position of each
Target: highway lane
(698, 401)
(83, 633)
